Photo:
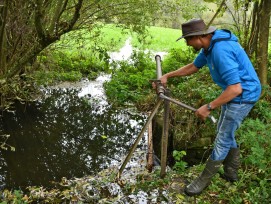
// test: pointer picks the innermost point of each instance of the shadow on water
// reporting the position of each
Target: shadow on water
(63, 135)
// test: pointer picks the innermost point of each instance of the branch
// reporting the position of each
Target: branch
(56, 15)
(217, 12)
(76, 16)
(38, 23)
(234, 19)
(28, 56)
(105, 11)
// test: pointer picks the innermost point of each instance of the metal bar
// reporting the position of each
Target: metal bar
(128, 157)
(150, 149)
(161, 95)
(177, 102)
(160, 88)
(164, 143)
(158, 66)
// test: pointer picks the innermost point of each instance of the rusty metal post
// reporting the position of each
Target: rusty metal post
(128, 157)
(150, 149)
(161, 91)
(160, 88)
(164, 140)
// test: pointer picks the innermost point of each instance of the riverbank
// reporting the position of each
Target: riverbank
(137, 185)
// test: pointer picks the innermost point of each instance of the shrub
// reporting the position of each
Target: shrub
(255, 140)
(130, 81)
(70, 66)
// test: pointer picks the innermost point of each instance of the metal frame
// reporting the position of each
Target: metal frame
(162, 94)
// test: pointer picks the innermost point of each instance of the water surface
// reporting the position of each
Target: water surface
(72, 132)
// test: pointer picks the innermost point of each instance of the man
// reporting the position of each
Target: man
(232, 70)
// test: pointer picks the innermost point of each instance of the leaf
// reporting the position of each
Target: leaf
(180, 196)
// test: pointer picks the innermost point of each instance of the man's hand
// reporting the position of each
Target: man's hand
(163, 80)
(203, 112)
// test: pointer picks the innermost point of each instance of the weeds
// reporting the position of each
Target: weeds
(179, 165)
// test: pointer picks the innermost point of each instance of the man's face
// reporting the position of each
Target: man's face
(194, 42)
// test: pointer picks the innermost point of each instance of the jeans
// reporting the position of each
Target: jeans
(230, 119)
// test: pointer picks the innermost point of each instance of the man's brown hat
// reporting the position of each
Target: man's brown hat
(195, 27)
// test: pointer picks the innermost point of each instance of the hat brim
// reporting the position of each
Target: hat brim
(203, 32)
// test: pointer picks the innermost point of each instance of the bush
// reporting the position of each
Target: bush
(255, 140)
(130, 79)
(70, 66)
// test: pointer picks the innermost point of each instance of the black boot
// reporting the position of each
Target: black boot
(197, 186)
(231, 165)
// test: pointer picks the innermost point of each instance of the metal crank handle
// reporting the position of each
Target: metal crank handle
(212, 118)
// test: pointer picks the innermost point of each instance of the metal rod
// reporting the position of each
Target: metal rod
(161, 90)
(158, 66)
(177, 102)
(150, 149)
(163, 96)
(128, 157)
(164, 144)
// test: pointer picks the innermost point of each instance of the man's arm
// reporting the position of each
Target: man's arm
(183, 71)
(230, 93)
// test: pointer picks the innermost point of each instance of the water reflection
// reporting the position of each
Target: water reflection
(64, 135)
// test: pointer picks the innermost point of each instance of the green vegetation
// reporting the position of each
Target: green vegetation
(160, 39)
(72, 58)
(130, 82)
(180, 165)
(254, 134)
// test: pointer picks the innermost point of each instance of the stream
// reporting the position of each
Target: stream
(71, 132)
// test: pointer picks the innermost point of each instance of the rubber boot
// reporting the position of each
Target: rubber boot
(231, 165)
(204, 179)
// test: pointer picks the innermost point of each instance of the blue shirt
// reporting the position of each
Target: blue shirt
(229, 64)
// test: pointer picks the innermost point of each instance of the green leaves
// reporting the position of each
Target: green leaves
(179, 165)
(130, 82)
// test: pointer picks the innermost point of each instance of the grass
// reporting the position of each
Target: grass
(85, 53)
(113, 38)
(108, 36)
(162, 39)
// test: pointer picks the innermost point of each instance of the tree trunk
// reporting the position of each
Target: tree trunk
(251, 47)
(262, 58)
(16, 67)
(3, 16)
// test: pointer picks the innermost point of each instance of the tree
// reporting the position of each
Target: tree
(263, 16)
(28, 27)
